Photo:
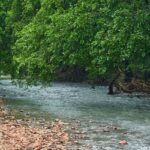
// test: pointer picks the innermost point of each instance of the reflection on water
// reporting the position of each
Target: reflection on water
(106, 119)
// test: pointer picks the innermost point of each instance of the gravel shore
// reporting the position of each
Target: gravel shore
(21, 135)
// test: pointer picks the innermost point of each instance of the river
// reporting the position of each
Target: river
(106, 119)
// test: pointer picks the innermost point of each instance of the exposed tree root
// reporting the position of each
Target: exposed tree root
(134, 86)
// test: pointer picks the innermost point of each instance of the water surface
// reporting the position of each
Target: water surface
(106, 119)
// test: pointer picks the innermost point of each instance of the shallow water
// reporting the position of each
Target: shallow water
(106, 119)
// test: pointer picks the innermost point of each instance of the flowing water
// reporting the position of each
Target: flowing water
(105, 119)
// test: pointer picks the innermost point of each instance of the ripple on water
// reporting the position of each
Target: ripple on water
(105, 119)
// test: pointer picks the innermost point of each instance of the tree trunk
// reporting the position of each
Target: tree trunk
(111, 85)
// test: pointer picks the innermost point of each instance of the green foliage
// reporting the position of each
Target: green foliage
(101, 36)
(14, 15)
(123, 37)
(4, 52)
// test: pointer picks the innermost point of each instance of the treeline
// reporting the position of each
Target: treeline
(86, 39)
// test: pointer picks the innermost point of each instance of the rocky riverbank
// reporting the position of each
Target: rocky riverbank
(21, 135)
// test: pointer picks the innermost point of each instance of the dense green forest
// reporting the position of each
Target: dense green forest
(40, 40)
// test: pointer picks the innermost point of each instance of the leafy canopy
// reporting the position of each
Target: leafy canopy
(102, 36)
